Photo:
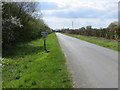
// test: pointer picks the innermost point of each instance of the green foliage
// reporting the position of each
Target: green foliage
(112, 32)
(29, 66)
(19, 24)
(113, 24)
(88, 27)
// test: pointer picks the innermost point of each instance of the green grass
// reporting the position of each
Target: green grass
(29, 66)
(111, 44)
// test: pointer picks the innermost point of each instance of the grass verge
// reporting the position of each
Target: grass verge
(111, 44)
(29, 66)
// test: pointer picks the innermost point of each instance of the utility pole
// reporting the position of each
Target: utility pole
(72, 25)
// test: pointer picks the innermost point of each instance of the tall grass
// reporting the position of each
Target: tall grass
(29, 66)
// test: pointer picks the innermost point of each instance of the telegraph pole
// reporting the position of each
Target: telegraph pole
(72, 25)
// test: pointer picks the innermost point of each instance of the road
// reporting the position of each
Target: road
(91, 66)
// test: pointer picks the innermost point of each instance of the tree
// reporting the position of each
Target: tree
(19, 23)
(89, 27)
(113, 24)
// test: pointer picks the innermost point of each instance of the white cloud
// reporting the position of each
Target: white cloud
(104, 4)
(109, 8)
(78, 5)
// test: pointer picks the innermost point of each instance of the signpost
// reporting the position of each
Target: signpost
(44, 35)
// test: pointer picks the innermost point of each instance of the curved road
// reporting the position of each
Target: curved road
(91, 66)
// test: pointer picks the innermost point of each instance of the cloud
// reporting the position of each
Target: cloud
(83, 3)
(84, 10)
(60, 13)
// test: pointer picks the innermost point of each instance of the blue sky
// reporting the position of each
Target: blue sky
(59, 14)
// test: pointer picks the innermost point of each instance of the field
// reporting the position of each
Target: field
(29, 66)
(107, 43)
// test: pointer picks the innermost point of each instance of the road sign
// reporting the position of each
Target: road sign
(44, 35)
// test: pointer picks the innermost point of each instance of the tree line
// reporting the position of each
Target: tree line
(21, 23)
(111, 32)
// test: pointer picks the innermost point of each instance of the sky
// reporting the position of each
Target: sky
(59, 14)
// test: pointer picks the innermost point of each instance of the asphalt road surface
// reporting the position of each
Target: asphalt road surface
(92, 66)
